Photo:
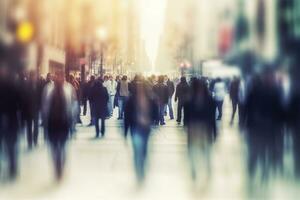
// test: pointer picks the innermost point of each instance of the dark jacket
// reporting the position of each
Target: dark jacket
(204, 113)
(182, 92)
(133, 114)
(10, 105)
(32, 95)
(234, 90)
(171, 88)
(99, 99)
(162, 94)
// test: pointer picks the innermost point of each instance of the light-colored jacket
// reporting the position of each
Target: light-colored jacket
(219, 91)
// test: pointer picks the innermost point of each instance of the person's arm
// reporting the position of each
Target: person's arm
(176, 93)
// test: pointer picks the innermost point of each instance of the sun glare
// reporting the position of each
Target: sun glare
(152, 21)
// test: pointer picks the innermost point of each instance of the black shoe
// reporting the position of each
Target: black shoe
(90, 124)
(171, 118)
(162, 124)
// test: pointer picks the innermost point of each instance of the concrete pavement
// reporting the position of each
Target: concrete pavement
(102, 169)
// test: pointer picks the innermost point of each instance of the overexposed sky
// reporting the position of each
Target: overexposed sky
(152, 20)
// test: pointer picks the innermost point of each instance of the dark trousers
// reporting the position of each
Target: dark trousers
(97, 126)
(9, 151)
(84, 103)
(91, 113)
(140, 146)
(32, 129)
(179, 111)
(234, 108)
(220, 108)
(58, 151)
(161, 108)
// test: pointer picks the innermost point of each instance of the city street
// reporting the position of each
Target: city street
(102, 169)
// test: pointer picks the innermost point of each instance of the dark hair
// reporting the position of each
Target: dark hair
(124, 78)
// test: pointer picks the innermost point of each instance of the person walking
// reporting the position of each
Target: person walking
(87, 95)
(138, 117)
(108, 85)
(200, 122)
(99, 99)
(219, 92)
(162, 96)
(171, 90)
(10, 106)
(234, 96)
(32, 107)
(59, 115)
(123, 94)
(182, 96)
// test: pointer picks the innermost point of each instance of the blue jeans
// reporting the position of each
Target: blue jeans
(171, 114)
(140, 145)
(121, 105)
(162, 109)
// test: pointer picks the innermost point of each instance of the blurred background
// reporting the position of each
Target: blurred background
(191, 38)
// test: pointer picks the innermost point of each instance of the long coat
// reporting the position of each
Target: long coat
(99, 99)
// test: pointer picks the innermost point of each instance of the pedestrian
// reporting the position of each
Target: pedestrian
(87, 94)
(162, 96)
(99, 99)
(171, 90)
(109, 85)
(139, 114)
(59, 114)
(76, 86)
(10, 106)
(234, 96)
(264, 122)
(182, 96)
(31, 109)
(219, 91)
(123, 94)
(200, 122)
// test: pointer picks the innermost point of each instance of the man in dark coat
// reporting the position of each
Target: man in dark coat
(139, 114)
(161, 93)
(10, 105)
(182, 95)
(234, 96)
(99, 99)
(199, 119)
(31, 108)
(171, 90)
(87, 96)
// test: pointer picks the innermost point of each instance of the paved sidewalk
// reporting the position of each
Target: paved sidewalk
(102, 169)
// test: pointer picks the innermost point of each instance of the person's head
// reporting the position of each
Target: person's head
(166, 78)
(183, 79)
(49, 77)
(161, 79)
(218, 79)
(199, 87)
(100, 80)
(124, 78)
(111, 77)
(92, 78)
(118, 78)
(105, 78)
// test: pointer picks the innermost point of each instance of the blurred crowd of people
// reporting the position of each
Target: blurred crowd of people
(268, 113)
